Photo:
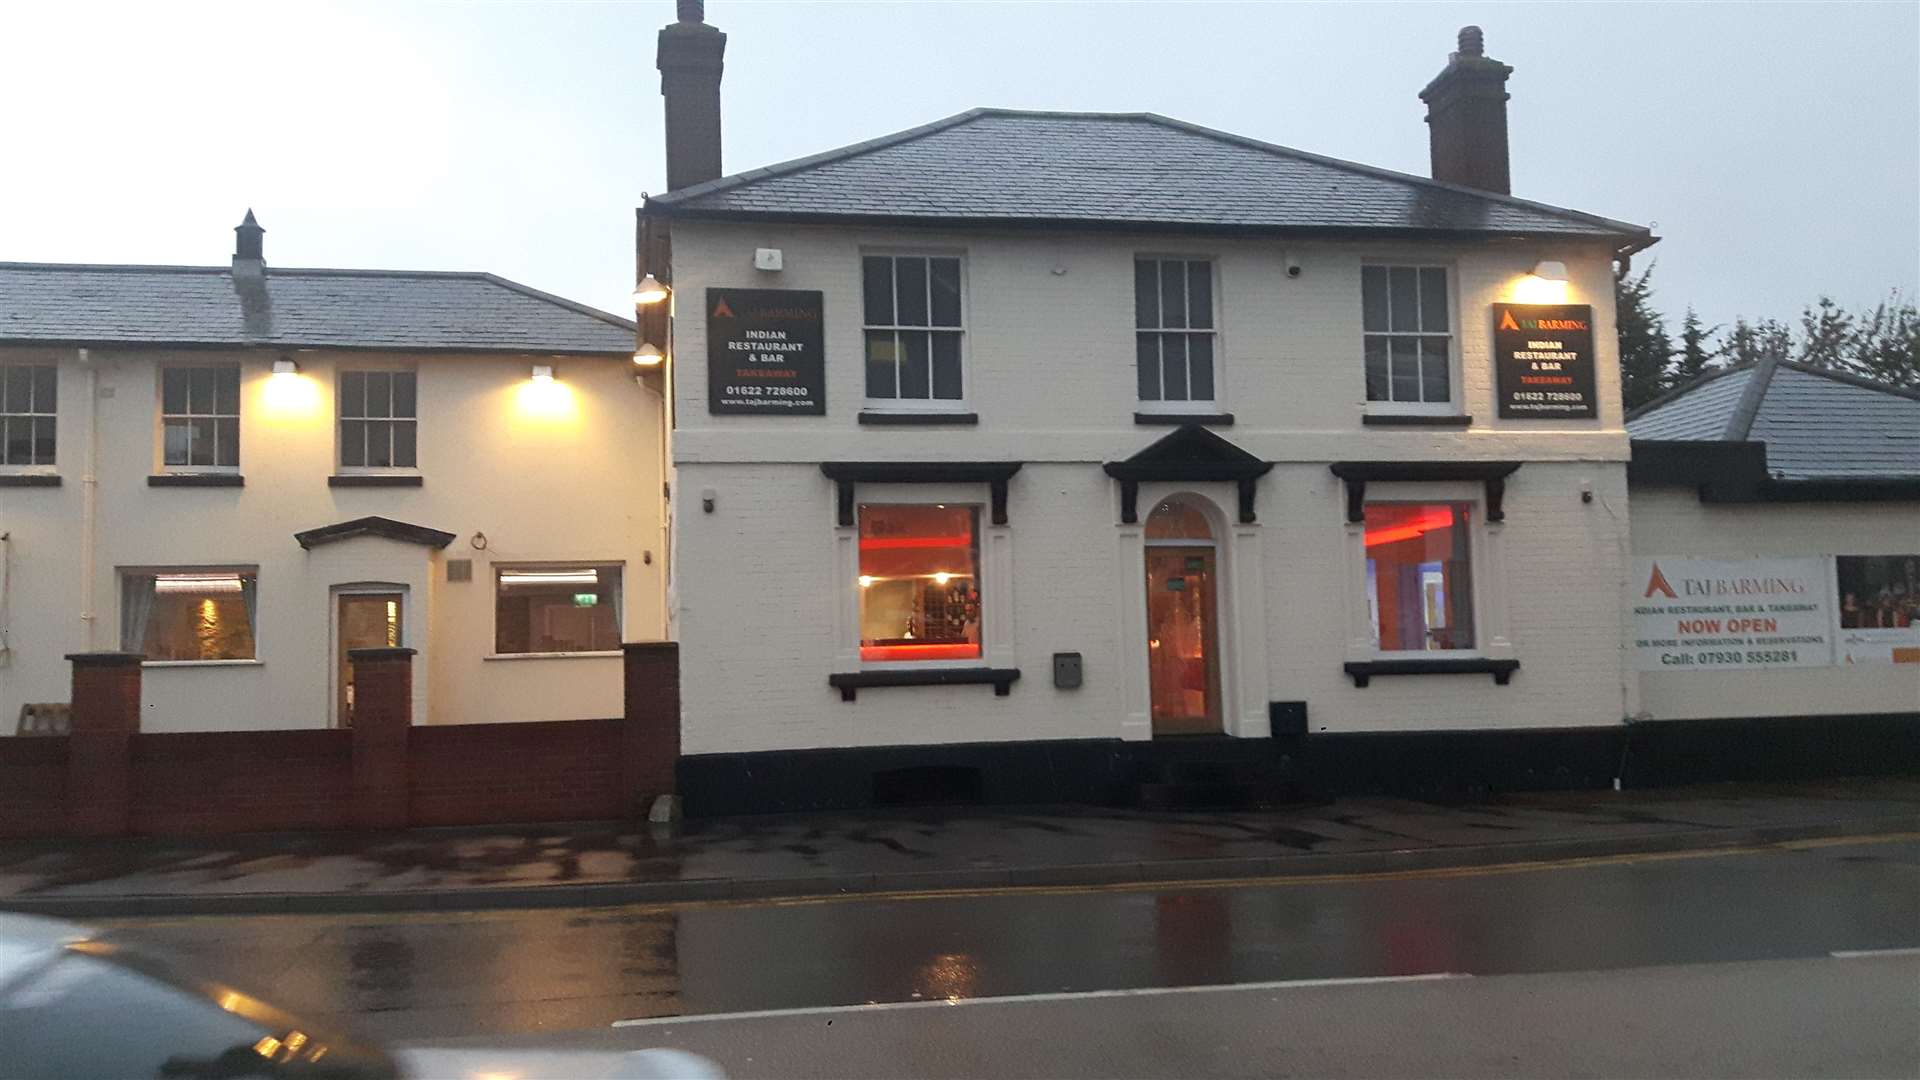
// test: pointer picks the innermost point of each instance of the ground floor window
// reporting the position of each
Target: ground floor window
(189, 615)
(919, 582)
(1420, 576)
(556, 609)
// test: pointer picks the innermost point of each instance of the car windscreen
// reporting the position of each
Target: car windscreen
(99, 1011)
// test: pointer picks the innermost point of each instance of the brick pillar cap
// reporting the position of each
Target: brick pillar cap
(651, 646)
(380, 654)
(105, 659)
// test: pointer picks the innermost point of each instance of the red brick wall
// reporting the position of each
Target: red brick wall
(241, 781)
(33, 785)
(481, 774)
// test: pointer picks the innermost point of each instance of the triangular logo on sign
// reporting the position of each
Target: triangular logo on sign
(1658, 583)
(1506, 321)
(721, 310)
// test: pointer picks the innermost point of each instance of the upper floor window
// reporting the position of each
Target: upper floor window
(200, 416)
(913, 326)
(1173, 320)
(1409, 336)
(378, 420)
(27, 408)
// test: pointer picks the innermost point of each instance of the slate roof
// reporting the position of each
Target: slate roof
(348, 309)
(1816, 424)
(1117, 169)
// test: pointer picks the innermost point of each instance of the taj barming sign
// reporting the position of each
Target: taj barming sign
(1748, 614)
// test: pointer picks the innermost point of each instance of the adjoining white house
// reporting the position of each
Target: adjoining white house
(241, 472)
(1776, 542)
(1030, 452)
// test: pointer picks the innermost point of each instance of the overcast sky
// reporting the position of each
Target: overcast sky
(1776, 147)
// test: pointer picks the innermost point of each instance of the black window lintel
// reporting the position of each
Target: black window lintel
(1493, 474)
(847, 474)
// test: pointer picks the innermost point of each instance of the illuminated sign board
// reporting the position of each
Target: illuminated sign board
(1543, 357)
(766, 353)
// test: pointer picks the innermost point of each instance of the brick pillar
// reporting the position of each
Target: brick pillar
(650, 738)
(106, 714)
(382, 716)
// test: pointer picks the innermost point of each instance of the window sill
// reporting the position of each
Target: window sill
(29, 479)
(916, 419)
(594, 655)
(1364, 670)
(197, 480)
(1416, 420)
(201, 663)
(375, 480)
(851, 682)
(1169, 419)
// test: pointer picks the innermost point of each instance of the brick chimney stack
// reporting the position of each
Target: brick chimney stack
(1467, 117)
(689, 58)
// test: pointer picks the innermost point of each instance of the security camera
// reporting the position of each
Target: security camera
(1293, 266)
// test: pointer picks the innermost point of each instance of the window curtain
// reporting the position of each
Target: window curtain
(136, 607)
(250, 596)
(619, 604)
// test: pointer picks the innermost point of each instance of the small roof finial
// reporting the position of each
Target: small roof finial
(692, 10)
(1473, 41)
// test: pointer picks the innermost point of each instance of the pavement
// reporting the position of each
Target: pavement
(910, 851)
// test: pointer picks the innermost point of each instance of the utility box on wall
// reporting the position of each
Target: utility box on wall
(1066, 670)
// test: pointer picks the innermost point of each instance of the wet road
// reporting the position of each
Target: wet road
(434, 976)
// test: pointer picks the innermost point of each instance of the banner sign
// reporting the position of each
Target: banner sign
(1879, 598)
(1731, 614)
(1543, 356)
(766, 352)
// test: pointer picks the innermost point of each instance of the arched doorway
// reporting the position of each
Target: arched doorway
(1183, 619)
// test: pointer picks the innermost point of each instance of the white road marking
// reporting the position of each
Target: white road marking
(1856, 954)
(1084, 995)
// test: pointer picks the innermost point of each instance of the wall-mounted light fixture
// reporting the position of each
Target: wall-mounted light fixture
(543, 373)
(649, 291)
(286, 365)
(648, 355)
(1546, 283)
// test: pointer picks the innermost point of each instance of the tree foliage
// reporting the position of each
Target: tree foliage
(1880, 343)
(1646, 351)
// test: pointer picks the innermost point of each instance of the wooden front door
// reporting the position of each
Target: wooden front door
(366, 621)
(1183, 640)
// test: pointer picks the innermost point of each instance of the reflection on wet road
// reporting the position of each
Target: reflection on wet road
(438, 975)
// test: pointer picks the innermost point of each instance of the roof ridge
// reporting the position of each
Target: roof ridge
(1851, 379)
(843, 153)
(561, 301)
(1390, 174)
(801, 164)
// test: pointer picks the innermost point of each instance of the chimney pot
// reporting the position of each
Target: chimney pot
(1467, 117)
(692, 10)
(247, 240)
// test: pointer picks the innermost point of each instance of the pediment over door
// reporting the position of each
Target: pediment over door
(1188, 453)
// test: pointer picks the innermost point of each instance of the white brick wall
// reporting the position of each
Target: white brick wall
(1050, 370)
(1673, 521)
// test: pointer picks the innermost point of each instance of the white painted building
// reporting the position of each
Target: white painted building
(242, 471)
(1065, 431)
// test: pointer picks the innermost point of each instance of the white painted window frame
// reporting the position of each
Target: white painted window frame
(161, 416)
(1486, 555)
(507, 566)
(38, 467)
(1454, 405)
(120, 574)
(996, 572)
(928, 404)
(340, 417)
(1216, 332)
